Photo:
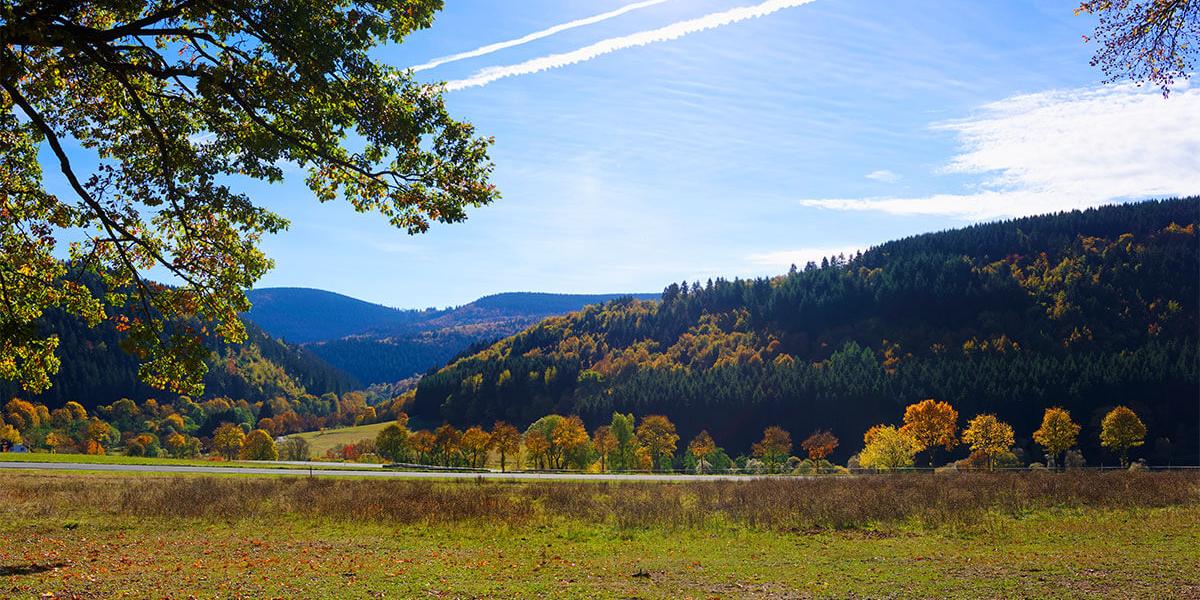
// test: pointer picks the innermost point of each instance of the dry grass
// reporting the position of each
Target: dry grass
(785, 504)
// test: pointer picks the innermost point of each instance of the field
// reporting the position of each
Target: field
(320, 441)
(966, 535)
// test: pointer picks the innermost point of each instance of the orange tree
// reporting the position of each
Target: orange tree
(820, 445)
(506, 440)
(775, 446)
(931, 424)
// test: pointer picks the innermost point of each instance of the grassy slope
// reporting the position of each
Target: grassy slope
(320, 441)
(1048, 552)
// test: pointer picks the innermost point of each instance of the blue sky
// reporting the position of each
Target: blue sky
(738, 149)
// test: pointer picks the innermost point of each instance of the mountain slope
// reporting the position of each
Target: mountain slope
(1085, 310)
(96, 371)
(377, 344)
(301, 315)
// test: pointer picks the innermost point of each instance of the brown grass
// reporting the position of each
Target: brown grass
(831, 502)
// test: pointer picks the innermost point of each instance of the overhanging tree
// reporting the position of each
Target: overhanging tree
(151, 110)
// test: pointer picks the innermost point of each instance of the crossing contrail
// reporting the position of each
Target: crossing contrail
(537, 35)
(653, 36)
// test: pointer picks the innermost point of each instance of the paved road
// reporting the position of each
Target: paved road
(370, 473)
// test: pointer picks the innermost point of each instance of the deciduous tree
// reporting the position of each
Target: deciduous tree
(447, 444)
(507, 441)
(604, 443)
(931, 423)
(571, 438)
(1057, 434)
(227, 440)
(1151, 42)
(989, 436)
(702, 446)
(475, 443)
(774, 447)
(623, 457)
(392, 442)
(259, 446)
(170, 99)
(657, 434)
(886, 448)
(1121, 430)
(820, 445)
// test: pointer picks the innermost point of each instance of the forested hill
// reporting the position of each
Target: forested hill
(1083, 310)
(96, 371)
(377, 344)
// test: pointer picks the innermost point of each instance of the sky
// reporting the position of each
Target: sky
(640, 143)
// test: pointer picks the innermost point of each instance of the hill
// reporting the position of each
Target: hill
(96, 371)
(377, 344)
(301, 315)
(1086, 309)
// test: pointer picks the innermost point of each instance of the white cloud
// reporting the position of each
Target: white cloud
(884, 175)
(1061, 150)
(537, 35)
(780, 260)
(662, 34)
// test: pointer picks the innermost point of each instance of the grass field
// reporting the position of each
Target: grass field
(320, 441)
(968, 536)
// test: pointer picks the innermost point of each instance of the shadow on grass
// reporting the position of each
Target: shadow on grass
(14, 570)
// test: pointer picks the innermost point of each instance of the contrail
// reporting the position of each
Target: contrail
(537, 35)
(662, 34)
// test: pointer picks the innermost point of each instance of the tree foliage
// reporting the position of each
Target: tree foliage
(887, 448)
(1153, 42)
(931, 423)
(988, 436)
(1121, 430)
(820, 445)
(173, 98)
(259, 445)
(1057, 434)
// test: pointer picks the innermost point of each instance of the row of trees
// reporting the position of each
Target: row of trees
(182, 428)
(557, 442)
(931, 424)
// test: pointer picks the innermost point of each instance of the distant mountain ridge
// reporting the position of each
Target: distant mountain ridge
(379, 344)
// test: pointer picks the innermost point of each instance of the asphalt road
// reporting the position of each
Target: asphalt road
(370, 473)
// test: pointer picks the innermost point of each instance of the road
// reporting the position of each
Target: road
(372, 473)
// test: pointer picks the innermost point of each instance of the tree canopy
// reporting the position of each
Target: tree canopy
(169, 103)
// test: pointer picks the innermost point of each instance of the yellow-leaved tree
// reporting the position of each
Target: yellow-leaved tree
(932, 424)
(1057, 434)
(989, 436)
(1121, 430)
(228, 440)
(258, 445)
(658, 435)
(887, 448)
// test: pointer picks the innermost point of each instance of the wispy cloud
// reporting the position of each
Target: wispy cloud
(643, 38)
(884, 175)
(1061, 150)
(537, 35)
